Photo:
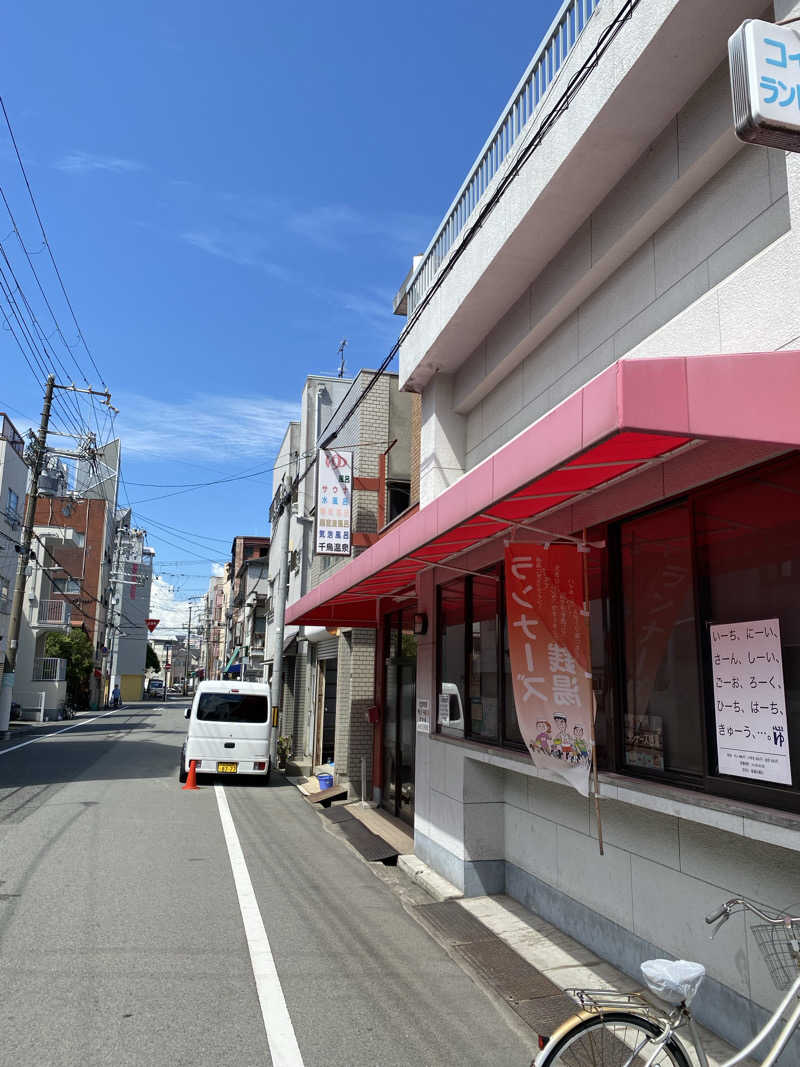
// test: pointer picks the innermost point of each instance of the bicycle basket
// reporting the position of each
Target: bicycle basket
(779, 947)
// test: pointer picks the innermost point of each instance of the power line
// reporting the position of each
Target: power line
(47, 245)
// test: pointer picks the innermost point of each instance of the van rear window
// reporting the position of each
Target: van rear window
(232, 707)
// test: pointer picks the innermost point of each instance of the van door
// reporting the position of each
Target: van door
(229, 727)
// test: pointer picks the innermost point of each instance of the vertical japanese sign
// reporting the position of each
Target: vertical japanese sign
(548, 634)
(334, 503)
(749, 700)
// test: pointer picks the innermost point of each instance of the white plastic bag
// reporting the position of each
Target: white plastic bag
(674, 981)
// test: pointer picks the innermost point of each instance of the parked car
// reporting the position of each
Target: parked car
(155, 690)
(227, 731)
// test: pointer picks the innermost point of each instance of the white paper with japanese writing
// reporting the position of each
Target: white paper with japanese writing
(750, 700)
(334, 503)
(423, 715)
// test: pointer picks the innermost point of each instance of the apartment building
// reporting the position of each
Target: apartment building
(604, 332)
(13, 482)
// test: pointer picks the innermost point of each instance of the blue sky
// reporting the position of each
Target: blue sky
(229, 192)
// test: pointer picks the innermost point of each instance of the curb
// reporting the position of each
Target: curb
(434, 885)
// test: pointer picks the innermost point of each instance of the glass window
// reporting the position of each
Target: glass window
(484, 690)
(452, 633)
(663, 716)
(13, 504)
(233, 707)
(748, 535)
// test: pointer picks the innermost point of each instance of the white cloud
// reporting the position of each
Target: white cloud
(172, 613)
(245, 248)
(217, 570)
(224, 428)
(334, 226)
(86, 162)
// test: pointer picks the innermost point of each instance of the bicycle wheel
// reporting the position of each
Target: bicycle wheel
(614, 1039)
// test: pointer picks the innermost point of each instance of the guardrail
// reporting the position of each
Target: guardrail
(49, 669)
(564, 32)
(53, 613)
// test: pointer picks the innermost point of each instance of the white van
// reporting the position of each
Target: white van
(228, 727)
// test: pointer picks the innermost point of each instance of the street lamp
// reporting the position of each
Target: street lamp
(200, 596)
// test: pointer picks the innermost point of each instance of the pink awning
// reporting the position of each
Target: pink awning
(637, 412)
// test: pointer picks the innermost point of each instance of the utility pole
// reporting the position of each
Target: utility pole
(188, 654)
(281, 511)
(10, 664)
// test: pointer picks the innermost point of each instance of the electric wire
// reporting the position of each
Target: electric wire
(47, 245)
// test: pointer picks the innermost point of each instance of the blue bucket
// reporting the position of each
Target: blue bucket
(325, 781)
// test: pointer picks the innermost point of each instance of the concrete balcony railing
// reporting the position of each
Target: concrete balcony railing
(49, 669)
(53, 613)
(514, 122)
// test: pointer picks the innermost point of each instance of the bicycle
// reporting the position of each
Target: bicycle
(628, 1030)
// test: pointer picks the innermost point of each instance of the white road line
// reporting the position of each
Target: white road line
(53, 733)
(283, 1045)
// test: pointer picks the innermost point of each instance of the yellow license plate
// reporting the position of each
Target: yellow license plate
(227, 768)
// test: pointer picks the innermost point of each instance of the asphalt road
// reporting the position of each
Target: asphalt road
(122, 940)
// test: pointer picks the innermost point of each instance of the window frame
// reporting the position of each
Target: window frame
(501, 741)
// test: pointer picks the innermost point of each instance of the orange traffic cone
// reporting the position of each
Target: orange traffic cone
(191, 781)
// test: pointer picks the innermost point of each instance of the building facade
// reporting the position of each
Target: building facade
(13, 483)
(329, 673)
(605, 338)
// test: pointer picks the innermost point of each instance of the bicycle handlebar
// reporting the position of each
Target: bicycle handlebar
(727, 908)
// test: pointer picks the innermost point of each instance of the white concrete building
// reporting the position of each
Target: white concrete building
(605, 334)
(13, 483)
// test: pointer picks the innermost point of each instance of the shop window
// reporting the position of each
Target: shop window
(476, 697)
(748, 558)
(484, 687)
(662, 724)
(452, 672)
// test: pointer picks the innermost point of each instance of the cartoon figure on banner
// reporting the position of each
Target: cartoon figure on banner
(561, 734)
(580, 749)
(542, 739)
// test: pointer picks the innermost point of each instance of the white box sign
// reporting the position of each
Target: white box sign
(334, 503)
(749, 700)
(765, 84)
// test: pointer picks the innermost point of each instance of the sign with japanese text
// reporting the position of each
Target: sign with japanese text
(130, 549)
(765, 84)
(334, 503)
(151, 624)
(423, 715)
(548, 636)
(749, 700)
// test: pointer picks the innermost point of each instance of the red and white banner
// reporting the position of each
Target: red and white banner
(548, 634)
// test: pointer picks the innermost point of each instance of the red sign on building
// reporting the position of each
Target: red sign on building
(151, 624)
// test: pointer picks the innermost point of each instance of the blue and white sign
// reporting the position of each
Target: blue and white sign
(765, 84)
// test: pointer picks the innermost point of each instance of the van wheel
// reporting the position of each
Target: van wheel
(183, 774)
(266, 778)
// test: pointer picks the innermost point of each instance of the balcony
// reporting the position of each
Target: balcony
(53, 613)
(49, 669)
(607, 82)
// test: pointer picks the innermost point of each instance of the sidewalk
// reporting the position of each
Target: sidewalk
(526, 962)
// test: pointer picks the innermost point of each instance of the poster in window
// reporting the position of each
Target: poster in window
(334, 503)
(423, 715)
(548, 633)
(750, 700)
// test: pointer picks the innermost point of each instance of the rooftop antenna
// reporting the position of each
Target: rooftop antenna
(340, 350)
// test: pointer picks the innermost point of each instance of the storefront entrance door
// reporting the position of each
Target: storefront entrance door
(399, 724)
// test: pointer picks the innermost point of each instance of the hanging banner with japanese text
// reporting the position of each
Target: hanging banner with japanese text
(334, 503)
(548, 635)
(750, 701)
